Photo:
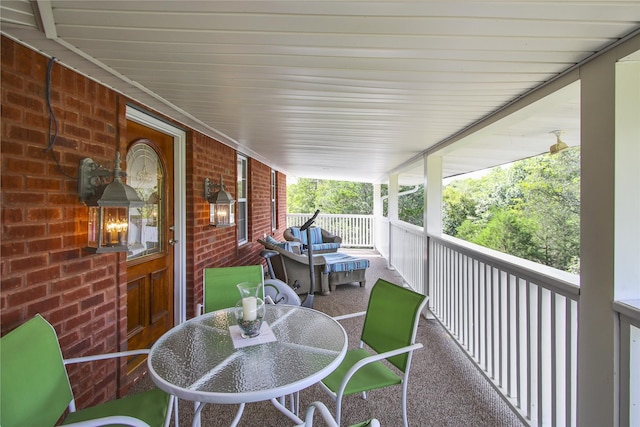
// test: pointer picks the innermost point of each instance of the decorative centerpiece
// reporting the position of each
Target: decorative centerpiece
(249, 311)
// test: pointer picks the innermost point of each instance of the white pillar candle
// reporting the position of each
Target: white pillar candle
(249, 308)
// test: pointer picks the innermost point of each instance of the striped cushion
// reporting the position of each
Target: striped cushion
(325, 246)
(342, 262)
(316, 235)
(296, 233)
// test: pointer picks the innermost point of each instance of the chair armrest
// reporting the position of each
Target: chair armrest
(324, 412)
(328, 237)
(349, 316)
(288, 235)
(105, 356)
(374, 358)
(109, 421)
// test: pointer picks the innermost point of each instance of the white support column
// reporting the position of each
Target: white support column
(627, 231)
(377, 201)
(627, 181)
(392, 209)
(596, 326)
(433, 194)
(393, 197)
(432, 212)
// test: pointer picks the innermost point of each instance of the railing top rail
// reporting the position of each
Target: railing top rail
(407, 226)
(630, 309)
(300, 215)
(554, 279)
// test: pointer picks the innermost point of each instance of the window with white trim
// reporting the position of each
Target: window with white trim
(242, 212)
(274, 196)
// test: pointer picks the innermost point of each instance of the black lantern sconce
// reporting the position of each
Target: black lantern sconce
(221, 204)
(108, 205)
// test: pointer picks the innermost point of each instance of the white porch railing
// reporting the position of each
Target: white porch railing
(406, 253)
(516, 320)
(629, 351)
(516, 323)
(356, 231)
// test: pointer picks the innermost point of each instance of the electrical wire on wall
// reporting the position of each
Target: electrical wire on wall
(53, 122)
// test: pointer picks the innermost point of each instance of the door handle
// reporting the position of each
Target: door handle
(172, 242)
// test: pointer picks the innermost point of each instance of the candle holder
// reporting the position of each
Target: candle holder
(249, 311)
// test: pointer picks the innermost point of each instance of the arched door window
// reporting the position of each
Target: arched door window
(145, 173)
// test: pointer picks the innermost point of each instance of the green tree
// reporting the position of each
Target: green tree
(301, 196)
(331, 197)
(529, 209)
(345, 197)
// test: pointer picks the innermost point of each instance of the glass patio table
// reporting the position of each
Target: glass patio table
(197, 360)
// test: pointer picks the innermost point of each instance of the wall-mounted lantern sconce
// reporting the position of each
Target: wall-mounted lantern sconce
(221, 204)
(108, 205)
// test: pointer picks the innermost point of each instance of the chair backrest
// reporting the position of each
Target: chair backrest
(316, 235)
(392, 319)
(219, 285)
(34, 386)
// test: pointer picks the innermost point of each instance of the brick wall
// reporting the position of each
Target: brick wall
(43, 266)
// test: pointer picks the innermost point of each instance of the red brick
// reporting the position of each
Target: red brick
(26, 296)
(65, 284)
(23, 198)
(29, 263)
(9, 249)
(12, 181)
(10, 319)
(64, 255)
(41, 245)
(11, 283)
(24, 166)
(43, 306)
(77, 266)
(11, 80)
(43, 275)
(63, 313)
(91, 302)
(75, 295)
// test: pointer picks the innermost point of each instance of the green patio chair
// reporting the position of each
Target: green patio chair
(35, 388)
(219, 285)
(220, 291)
(389, 332)
(328, 418)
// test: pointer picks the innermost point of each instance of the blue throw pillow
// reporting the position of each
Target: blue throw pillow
(316, 235)
(284, 245)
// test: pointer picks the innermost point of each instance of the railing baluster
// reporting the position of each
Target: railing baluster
(539, 390)
(554, 378)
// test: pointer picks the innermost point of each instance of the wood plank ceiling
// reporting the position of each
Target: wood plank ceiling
(336, 89)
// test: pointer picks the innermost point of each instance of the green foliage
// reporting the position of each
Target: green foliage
(530, 209)
(301, 197)
(331, 197)
(411, 205)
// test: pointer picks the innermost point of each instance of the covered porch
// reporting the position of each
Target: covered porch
(561, 349)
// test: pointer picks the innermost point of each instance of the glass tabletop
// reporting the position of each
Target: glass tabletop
(197, 360)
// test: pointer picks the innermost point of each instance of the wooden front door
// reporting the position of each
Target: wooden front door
(150, 260)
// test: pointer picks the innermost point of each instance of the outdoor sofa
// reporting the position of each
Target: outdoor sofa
(330, 269)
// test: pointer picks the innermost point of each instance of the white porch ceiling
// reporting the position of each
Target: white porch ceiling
(337, 89)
